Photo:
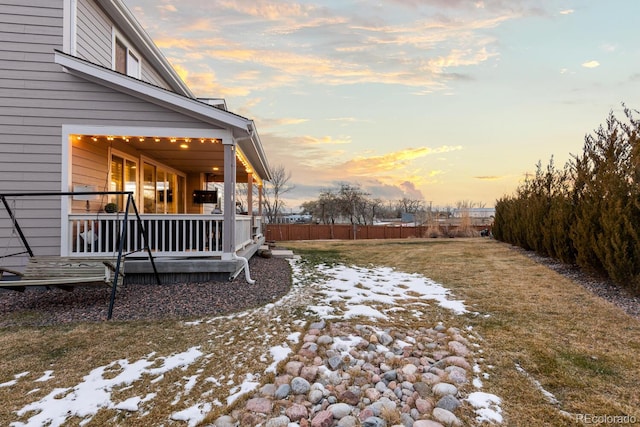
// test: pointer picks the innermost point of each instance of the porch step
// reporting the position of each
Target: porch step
(281, 253)
(278, 253)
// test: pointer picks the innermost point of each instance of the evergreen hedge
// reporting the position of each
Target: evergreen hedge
(587, 213)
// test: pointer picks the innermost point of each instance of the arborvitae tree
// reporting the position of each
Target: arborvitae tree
(617, 248)
(588, 213)
(560, 216)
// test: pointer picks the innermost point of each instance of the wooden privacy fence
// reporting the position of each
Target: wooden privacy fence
(282, 232)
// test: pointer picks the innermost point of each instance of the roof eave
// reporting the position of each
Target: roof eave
(141, 89)
(243, 129)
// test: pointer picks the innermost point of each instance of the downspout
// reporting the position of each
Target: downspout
(234, 256)
(245, 267)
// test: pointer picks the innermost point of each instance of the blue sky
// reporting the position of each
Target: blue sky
(440, 100)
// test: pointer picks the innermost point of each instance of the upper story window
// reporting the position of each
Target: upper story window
(125, 59)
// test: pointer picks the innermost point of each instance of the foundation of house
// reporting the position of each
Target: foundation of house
(186, 270)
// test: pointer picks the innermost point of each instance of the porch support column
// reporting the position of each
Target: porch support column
(250, 194)
(260, 189)
(229, 213)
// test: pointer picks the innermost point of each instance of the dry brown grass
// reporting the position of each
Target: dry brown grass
(577, 346)
(580, 348)
(231, 348)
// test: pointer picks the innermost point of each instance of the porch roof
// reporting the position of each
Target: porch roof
(242, 129)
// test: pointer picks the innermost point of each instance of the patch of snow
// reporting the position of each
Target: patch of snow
(278, 353)
(213, 380)
(191, 382)
(345, 344)
(357, 287)
(85, 399)
(487, 407)
(249, 384)
(294, 337)
(15, 379)
(193, 415)
(132, 404)
(45, 377)
(363, 310)
(551, 398)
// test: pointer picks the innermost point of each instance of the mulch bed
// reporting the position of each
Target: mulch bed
(41, 307)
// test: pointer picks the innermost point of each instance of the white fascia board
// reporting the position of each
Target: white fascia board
(69, 26)
(257, 143)
(152, 93)
(252, 149)
(129, 25)
(145, 131)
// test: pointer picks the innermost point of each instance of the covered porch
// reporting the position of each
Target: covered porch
(199, 193)
(195, 193)
(192, 166)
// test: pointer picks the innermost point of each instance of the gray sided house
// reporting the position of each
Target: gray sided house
(89, 103)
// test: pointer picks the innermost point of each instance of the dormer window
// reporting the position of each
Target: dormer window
(125, 59)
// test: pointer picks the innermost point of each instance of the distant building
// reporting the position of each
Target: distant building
(408, 217)
(292, 219)
(474, 212)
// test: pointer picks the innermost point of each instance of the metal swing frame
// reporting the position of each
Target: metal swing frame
(123, 233)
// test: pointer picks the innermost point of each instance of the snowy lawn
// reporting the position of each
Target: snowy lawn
(250, 345)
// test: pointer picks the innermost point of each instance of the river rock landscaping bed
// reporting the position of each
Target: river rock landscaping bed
(356, 375)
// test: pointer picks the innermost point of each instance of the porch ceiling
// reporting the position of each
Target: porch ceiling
(188, 155)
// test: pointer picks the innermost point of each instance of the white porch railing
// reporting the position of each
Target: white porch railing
(257, 227)
(181, 235)
(243, 231)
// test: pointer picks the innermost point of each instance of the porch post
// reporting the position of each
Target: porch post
(260, 187)
(250, 194)
(229, 213)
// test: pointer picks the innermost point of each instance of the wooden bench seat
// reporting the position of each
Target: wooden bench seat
(62, 272)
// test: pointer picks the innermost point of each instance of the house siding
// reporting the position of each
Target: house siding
(149, 75)
(37, 97)
(94, 38)
(93, 34)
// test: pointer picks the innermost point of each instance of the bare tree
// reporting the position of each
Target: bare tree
(375, 206)
(469, 204)
(326, 208)
(410, 205)
(353, 203)
(274, 190)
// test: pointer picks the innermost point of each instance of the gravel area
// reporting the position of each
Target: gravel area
(41, 307)
(597, 285)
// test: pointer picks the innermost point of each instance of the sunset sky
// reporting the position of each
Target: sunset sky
(440, 100)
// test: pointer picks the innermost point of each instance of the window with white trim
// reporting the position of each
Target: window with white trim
(125, 59)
